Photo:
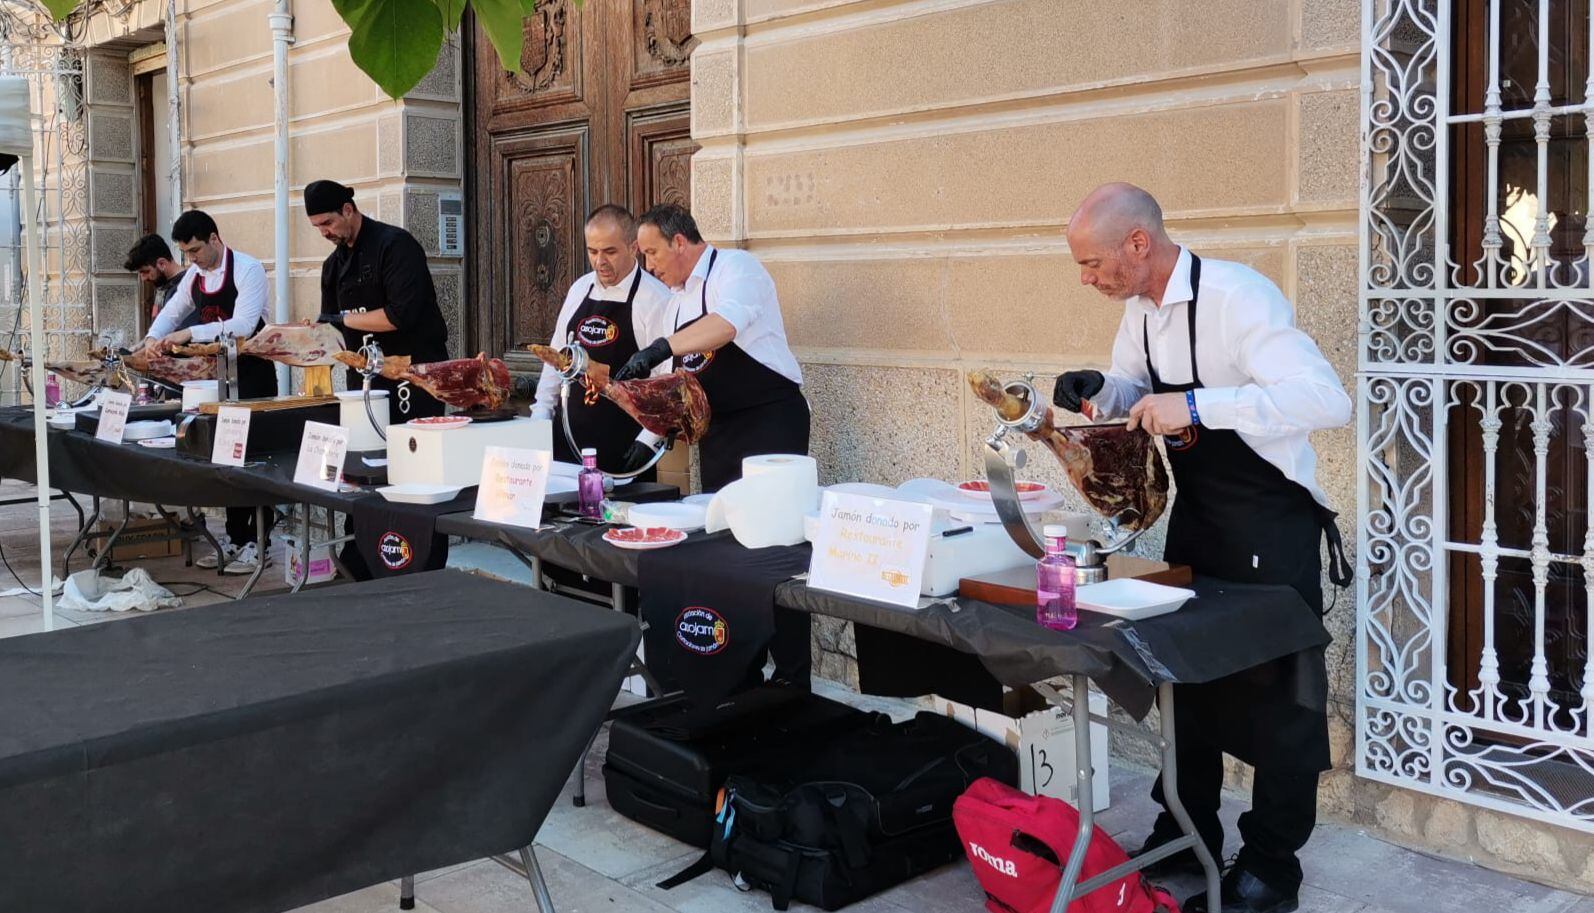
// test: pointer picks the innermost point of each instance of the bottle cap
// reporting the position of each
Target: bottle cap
(589, 451)
(1055, 531)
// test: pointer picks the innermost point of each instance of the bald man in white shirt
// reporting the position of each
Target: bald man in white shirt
(1209, 357)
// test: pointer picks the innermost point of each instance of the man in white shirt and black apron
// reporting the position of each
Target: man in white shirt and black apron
(724, 325)
(608, 312)
(1208, 356)
(222, 293)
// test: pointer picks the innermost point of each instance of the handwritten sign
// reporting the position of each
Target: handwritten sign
(514, 483)
(872, 548)
(232, 436)
(321, 456)
(113, 416)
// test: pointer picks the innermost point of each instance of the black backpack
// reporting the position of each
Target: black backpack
(863, 812)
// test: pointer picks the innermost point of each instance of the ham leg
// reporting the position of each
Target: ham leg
(668, 404)
(168, 368)
(303, 345)
(1118, 471)
(464, 383)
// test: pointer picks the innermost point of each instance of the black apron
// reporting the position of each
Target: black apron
(756, 409)
(1238, 517)
(360, 290)
(605, 330)
(256, 376)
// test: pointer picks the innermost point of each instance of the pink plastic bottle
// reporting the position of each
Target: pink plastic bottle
(589, 485)
(1054, 583)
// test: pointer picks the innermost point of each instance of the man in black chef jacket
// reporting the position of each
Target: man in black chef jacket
(723, 324)
(376, 284)
(608, 312)
(1208, 356)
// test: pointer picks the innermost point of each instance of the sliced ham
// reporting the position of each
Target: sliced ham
(665, 405)
(1118, 471)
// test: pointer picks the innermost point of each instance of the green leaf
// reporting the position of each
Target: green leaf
(451, 10)
(394, 41)
(504, 23)
(60, 9)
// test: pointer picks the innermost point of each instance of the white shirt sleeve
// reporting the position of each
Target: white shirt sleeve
(1294, 388)
(249, 308)
(547, 398)
(739, 295)
(1129, 378)
(175, 310)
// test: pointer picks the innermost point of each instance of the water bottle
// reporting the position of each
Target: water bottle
(1054, 583)
(590, 485)
(52, 390)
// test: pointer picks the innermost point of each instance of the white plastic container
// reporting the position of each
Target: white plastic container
(198, 392)
(354, 419)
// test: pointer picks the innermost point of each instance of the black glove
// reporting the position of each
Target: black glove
(1075, 386)
(336, 319)
(637, 456)
(642, 363)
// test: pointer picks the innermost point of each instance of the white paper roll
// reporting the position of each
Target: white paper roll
(196, 392)
(766, 506)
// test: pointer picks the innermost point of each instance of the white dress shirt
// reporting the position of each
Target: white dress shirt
(1260, 376)
(647, 311)
(250, 278)
(741, 291)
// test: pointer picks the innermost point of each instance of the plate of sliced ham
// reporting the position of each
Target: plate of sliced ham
(439, 422)
(980, 490)
(643, 539)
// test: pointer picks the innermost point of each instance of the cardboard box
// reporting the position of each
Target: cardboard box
(1043, 738)
(142, 539)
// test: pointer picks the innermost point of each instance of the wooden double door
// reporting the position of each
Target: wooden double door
(599, 114)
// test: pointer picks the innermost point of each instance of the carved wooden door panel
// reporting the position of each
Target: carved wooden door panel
(598, 115)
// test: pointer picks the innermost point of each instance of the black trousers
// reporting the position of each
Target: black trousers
(256, 378)
(241, 524)
(1282, 815)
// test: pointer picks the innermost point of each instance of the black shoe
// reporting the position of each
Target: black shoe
(1183, 862)
(1243, 892)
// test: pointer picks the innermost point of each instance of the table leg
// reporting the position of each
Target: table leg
(579, 800)
(407, 892)
(304, 548)
(75, 506)
(104, 557)
(80, 538)
(1087, 807)
(539, 887)
(1170, 792)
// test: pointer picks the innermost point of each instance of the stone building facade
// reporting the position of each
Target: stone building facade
(905, 169)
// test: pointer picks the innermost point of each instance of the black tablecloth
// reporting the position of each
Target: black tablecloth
(80, 463)
(1226, 628)
(263, 755)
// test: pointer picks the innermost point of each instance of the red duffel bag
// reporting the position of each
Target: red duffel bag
(1018, 844)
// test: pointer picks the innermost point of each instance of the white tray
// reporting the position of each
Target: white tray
(673, 515)
(1131, 599)
(417, 493)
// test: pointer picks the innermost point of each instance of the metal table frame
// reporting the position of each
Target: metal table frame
(1071, 888)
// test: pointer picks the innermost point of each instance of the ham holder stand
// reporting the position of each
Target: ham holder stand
(1003, 459)
(571, 374)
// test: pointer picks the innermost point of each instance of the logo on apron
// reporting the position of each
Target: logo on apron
(597, 331)
(1184, 440)
(395, 551)
(702, 631)
(696, 361)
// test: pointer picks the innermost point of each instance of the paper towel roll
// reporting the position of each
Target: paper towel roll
(766, 506)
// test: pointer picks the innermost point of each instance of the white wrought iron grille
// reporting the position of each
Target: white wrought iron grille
(1475, 420)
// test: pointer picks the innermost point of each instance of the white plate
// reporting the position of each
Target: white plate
(642, 546)
(702, 499)
(432, 424)
(669, 514)
(159, 443)
(146, 429)
(1131, 599)
(418, 493)
(1034, 494)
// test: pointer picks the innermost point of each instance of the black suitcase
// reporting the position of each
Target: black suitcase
(668, 760)
(859, 813)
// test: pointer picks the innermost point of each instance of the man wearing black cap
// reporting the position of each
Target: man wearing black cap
(376, 285)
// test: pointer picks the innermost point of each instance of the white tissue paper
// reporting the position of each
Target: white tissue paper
(90, 591)
(766, 505)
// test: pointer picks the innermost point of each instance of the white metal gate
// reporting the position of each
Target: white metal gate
(1475, 420)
